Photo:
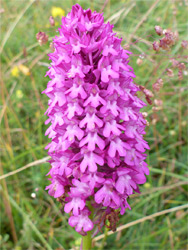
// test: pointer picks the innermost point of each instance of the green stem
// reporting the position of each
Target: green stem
(86, 241)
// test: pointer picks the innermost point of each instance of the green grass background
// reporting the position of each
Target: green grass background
(38, 223)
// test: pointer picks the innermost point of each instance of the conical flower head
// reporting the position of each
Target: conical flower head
(96, 127)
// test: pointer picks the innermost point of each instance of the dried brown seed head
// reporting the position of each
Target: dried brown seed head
(181, 66)
(158, 30)
(169, 38)
(184, 44)
(180, 75)
(156, 108)
(42, 38)
(176, 35)
(163, 44)
(158, 85)
(147, 123)
(148, 93)
(144, 114)
(139, 61)
(52, 22)
(170, 72)
(2, 10)
(174, 63)
(158, 102)
(156, 46)
(149, 101)
(52, 47)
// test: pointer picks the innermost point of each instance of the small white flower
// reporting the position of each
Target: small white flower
(33, 195)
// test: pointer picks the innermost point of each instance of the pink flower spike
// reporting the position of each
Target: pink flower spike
(95, 123)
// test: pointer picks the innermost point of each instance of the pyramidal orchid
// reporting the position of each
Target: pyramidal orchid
(96, 127)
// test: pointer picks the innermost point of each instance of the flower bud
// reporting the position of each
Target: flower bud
(158, 30)
(180, 75)
(51, 20)
(181, 66)
(163, 44)
(42, 38)
(175, 63)
(158, 102)
(184, 44)
(139, 61)
(170, 73)
(156, 46)
(158, 85)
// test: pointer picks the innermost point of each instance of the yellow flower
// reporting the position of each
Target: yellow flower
(78, 242)
(37, 114)
(24, 69)
(57, 11)
(147, 185)
(15, 71)
(183, 123)
(18, 248)
(172, 132)
(19, 93)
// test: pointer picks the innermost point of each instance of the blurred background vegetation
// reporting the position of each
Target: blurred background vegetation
(30, 218)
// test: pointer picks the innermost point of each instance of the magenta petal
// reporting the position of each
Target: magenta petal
(112, 149)
(81, 222)
(68, 207)
(120, 185)
(73, 220)
(140, 178)
(104, 76)
(59, 191)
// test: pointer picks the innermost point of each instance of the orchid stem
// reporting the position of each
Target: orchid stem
(86, 241)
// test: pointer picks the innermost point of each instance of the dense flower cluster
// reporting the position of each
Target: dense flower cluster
(97, 146)
(167, 41)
